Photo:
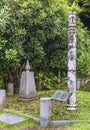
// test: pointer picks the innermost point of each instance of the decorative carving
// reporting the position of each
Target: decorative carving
(72, 18)
(72, 60)
(71, 38)
(71, 55)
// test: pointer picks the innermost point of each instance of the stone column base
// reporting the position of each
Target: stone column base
(71, 107)
(26, 99)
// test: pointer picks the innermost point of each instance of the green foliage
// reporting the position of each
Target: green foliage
(33, 108)
(83, 51)
(48, 80)
(11, 57)
(11, 38)
(46, 33)
(37, 30)
(86, 5)
(85, 13)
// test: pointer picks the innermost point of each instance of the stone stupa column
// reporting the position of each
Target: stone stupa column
(27, 84)
(72, 60)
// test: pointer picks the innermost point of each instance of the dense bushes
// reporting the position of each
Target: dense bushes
(37, 30)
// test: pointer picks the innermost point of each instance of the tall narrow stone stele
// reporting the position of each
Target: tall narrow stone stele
(72, 60)
(2, 99)
(10, 89)
(27, 84)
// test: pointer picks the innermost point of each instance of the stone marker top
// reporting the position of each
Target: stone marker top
(27, 67)
(72, 19)
(45, 99)
(72, 12)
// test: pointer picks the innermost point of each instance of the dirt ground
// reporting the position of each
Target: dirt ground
(29, 128)
(34, 128)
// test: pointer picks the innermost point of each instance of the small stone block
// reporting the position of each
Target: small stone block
(10, 89)
(11, 119)
(2, 99)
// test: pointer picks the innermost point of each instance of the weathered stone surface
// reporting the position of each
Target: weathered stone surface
(72, 60)
(72, 19)
(2, 99)
(10, 89)
(11, 119)
(45, 111)
(27, 85)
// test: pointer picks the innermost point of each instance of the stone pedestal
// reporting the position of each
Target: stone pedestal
(27, 86)
(2, 99)
(10, 89)
(45, 111)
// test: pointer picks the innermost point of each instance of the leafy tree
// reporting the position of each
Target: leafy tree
(85, 13)
(83, 51)
(36, 30)
(12, 37)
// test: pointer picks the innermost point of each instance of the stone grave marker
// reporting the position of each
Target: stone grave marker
(27, 85)
(10, 89)
(11, 119)
(45, 111)
(2, 99)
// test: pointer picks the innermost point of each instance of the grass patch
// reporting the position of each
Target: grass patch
(33, 108)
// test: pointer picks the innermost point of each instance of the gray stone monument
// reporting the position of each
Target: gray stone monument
(72, 60)
(11, 119)
(27, 84)
(45, 111)
(2, 99)
(10, 89)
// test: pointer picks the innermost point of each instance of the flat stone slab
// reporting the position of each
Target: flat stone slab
(11, 119)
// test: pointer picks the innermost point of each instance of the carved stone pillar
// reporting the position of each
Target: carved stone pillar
(72, 60)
